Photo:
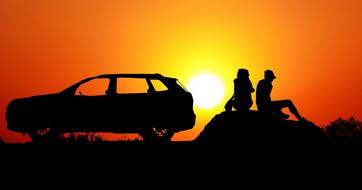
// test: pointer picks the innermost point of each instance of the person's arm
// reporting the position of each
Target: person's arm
(236, 87)
(251, 87)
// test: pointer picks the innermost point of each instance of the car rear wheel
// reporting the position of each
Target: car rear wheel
(163, 134)
(157, 134)
(43, 134)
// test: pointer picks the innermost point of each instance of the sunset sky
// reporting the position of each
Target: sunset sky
(313, 46)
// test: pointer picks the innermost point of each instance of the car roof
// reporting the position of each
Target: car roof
(146, 76)
(129, 75)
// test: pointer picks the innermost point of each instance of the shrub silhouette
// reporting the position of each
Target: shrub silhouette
(343, 131)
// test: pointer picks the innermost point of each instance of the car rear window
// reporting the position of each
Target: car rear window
(158, 85)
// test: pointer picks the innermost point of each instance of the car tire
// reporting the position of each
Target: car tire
(46, 134)
(157, 134)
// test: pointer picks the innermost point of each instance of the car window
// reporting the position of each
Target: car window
(131, 85)
(158, 85)
(95, 87)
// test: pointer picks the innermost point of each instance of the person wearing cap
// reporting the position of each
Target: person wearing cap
(266, 105)
(242, 91)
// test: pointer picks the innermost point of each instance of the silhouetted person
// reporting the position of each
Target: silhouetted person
(266, 105)
(242, 91)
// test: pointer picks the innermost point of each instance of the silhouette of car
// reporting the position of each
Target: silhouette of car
(151, 105)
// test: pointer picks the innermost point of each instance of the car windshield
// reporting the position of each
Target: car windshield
(180, 84)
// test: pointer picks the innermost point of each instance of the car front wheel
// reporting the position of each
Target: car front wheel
(43, 134)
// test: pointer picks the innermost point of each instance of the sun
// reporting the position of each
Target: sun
(207, 90)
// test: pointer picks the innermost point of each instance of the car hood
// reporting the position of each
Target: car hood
(22, 104)
(31, 99)
(18, 110)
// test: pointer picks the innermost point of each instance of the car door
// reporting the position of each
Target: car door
(131, 104)
(88, 109)
(161, 99)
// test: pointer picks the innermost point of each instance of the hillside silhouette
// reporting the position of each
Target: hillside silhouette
(268, 125)
(252, 127)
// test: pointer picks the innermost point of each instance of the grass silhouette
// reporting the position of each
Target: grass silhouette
(74, 138)
(83, 138)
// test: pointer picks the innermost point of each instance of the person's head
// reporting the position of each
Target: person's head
(243, 73)
(269, 75)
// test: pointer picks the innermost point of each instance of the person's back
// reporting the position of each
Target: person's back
(263, 91)
(243, 88)
(242, 91)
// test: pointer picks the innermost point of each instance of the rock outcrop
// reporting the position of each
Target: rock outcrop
(252, 127)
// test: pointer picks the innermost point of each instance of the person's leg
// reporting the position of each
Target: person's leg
(280, 114)
(280, 104)
(248, 104)
(242, 105)
(265, 110)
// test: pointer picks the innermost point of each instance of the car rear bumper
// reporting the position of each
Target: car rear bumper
(186, 124)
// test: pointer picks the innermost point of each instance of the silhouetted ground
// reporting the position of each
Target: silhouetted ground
(230, 129)
(237, 142)
(252, 128)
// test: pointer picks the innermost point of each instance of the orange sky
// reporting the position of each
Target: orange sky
(314, 47)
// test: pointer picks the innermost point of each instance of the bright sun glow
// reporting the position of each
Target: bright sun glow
(207, 90)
